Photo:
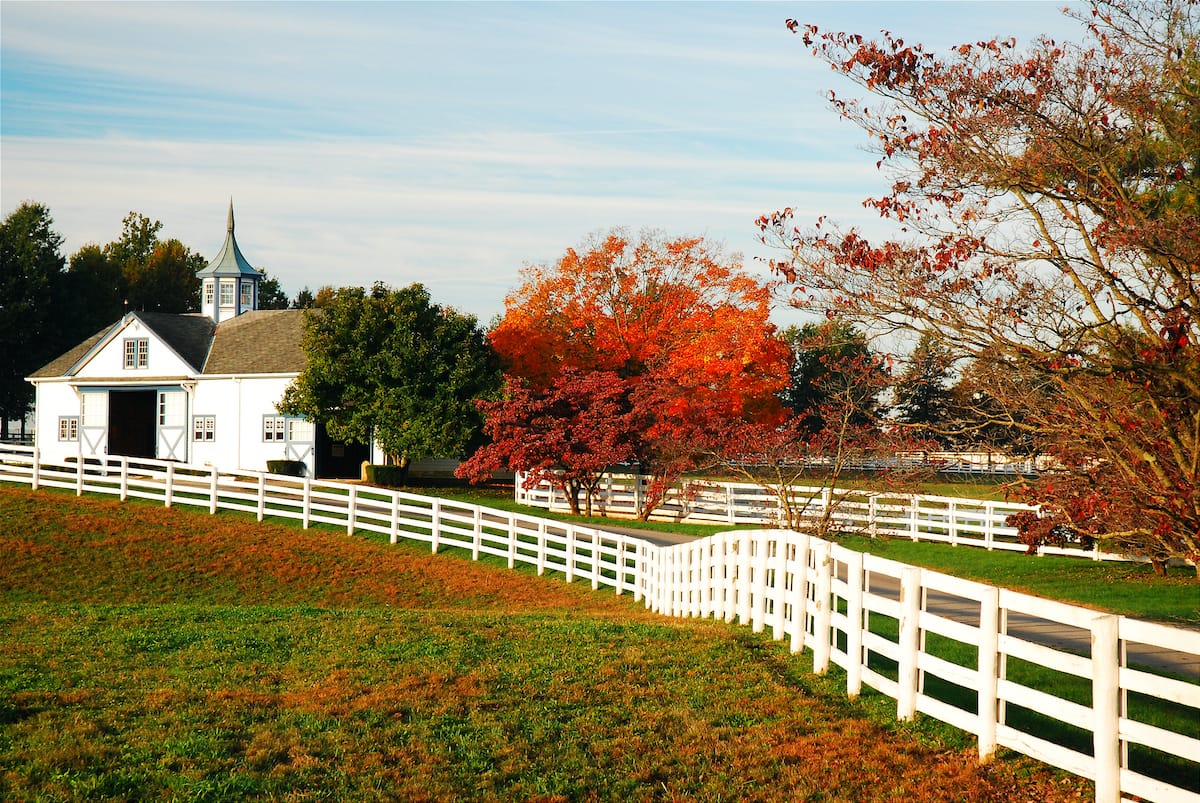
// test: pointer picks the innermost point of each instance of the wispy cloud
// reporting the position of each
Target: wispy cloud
(448, 143)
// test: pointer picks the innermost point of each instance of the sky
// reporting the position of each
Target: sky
(444, 143)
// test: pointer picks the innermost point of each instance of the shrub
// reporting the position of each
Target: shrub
(288, 468)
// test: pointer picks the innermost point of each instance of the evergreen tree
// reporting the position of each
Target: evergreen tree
(923, 396)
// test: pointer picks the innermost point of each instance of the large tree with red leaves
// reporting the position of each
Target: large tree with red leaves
(683, 329)
(1046, 204)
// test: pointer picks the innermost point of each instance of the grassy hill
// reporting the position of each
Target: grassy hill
(148, 653)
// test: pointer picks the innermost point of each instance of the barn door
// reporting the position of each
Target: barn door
(172, 425)
(301, 440)
(93, 424)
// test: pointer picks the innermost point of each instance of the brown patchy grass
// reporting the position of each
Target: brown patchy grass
(161, 654)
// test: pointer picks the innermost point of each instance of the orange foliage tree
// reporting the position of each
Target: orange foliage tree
(1046, 204)
(683, 327)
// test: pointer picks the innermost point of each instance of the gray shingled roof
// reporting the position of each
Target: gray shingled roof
(189, 335)
(259, 342)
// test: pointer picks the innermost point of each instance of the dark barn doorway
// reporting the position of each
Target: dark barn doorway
(131, 422)
(338, 461)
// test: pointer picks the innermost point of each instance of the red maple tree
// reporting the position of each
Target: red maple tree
(683, 328)
(567, 434)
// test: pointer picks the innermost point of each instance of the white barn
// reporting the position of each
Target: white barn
(198, 388)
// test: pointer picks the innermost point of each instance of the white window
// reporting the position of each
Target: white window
(95, 409)
(247, 294)
(68, 428)
(227, 292)
(208, 292)
(137, 352)
(172, 409)
(300, 431)
(273, 428)
(204, 428)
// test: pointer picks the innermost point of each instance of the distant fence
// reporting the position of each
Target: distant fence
(943, 519)
(1107, 697)
(945, 463)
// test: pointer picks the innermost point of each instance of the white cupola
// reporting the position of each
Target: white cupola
(228, 284)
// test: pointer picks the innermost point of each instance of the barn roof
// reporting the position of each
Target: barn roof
(259, 342)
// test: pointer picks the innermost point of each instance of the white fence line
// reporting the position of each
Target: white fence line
(919, 517)
(982, 659)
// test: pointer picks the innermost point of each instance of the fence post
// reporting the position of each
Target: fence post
(512, 540)
(758, 602)
(745, 557)
(779, 588)
(570, 553)
(620, 563)
(989, 525)
(124, 478)
(914, 512)
(170, 490)
(477, 538)
(395, 534)
(212, 490)
(351, 509)
(854, 624)
(639, 570)
(1106, 707)
(823, 615)
(597, 559)
(872, 515)
(988, 677)
(37, 470)
(716, 575)
(952, 522)
(729, 511)
(79, 476)
(262, 495)
(799, 623)
(541, 547)
(435, 525)
(307, 501)
(909, 643)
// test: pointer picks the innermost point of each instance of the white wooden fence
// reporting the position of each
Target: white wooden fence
(943, 519)
(1109, 698)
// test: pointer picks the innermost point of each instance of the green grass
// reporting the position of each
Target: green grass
(170, 655)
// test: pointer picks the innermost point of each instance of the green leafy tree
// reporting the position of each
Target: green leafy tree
(270, 294)
(91, 294)
(391, 366)
(31, 264)
(167, 280)
(304, 299)
(157, 275)
(827, 360)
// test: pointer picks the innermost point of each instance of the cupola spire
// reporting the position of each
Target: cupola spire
(229, 283)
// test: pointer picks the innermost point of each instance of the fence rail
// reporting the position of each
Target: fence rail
(919, 517)
(983, 659)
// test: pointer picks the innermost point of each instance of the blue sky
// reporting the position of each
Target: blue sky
(446, 143)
